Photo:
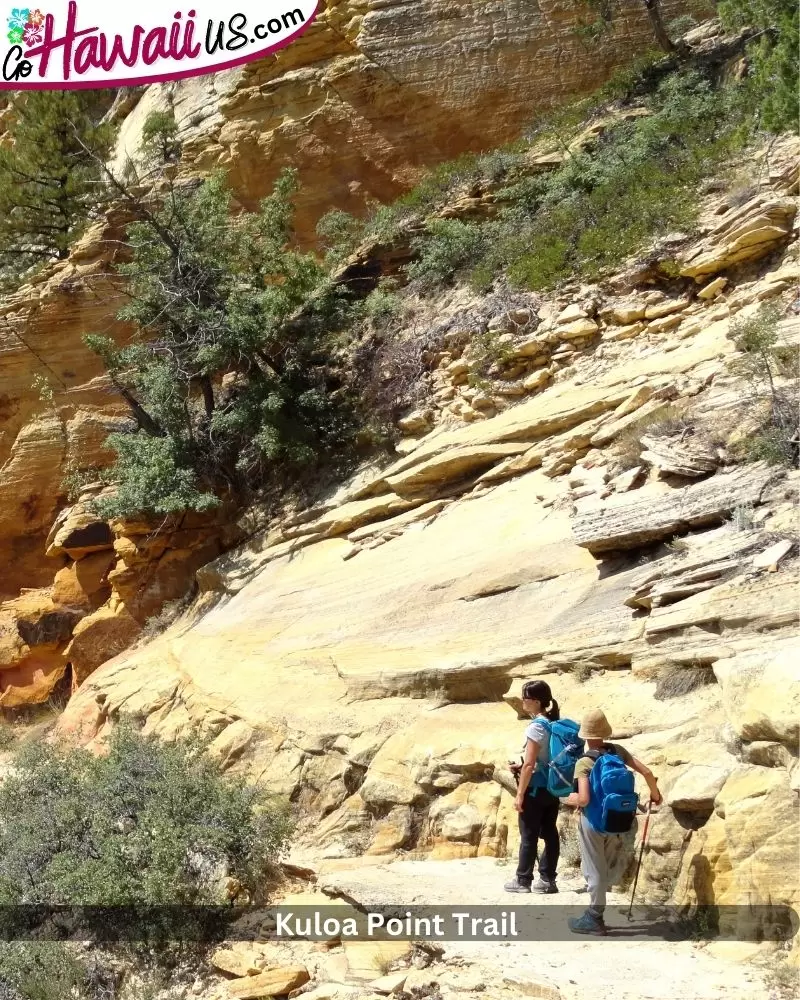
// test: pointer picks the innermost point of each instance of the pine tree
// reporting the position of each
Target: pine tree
(222, 393)
(772, 57)
(50, 179)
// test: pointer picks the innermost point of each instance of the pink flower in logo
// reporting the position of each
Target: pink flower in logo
(33, 34)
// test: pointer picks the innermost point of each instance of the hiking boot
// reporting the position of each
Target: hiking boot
(544, 887)
(587, 924)
(516, 886)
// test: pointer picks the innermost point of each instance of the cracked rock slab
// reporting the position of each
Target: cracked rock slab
(628, 521)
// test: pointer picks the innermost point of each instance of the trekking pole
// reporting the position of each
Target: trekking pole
(641, 855)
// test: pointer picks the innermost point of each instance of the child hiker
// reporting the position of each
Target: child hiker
(537, 808)
(604, 794)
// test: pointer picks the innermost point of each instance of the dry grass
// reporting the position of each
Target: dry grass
(677, 681)
(570, 848)
(582, 672)
(168, 615)
(670, 419)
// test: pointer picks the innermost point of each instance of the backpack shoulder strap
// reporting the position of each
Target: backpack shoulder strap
(593, 754)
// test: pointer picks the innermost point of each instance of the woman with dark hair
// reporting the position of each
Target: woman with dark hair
(537, 808)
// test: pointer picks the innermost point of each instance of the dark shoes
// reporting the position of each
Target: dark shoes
(516, 886)
(587, 924)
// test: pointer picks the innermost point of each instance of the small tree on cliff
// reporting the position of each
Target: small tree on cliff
(772, 56)
(605, 11)
(50, 180)
(222, 393)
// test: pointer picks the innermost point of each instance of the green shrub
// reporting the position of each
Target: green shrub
(770, 445)
(637, 182)
(383, 305)
(76, 479)
(449, 247)
(773, 86)
(771, 371)
(152, 475)
(339, 234)
(546, 263)
(41, 971)
(148, 822)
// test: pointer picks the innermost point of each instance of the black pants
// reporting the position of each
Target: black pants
(538, 819)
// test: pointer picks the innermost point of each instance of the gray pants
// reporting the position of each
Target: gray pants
(604, 858)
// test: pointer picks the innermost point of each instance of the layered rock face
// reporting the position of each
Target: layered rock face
(373, 93)
(55, 407)
(590, 527)
(361, 103)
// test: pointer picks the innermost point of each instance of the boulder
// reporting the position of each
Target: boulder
(690, 457)
(626, 313)
(665, 308)
(758, 604)
(235, 962)
(771, 556)
(31, 677)
(613, 426)
(532, 986)
(629, 521)
(84, 584)
(99, 637)
(355, 514)
(270, 983)
(713, 288)
(745, 233)
(366, 958)
(635, 401)
(393, 982)
(78, 531)
(615, 333)
(394, 526)
(761, 692)
(416, 423)
(439, 472)
(577, 329)
(626, 480)
(695, 786)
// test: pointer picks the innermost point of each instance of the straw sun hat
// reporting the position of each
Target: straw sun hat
(594, 726)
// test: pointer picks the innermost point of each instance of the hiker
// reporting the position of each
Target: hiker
(605, 795)
(537, 808)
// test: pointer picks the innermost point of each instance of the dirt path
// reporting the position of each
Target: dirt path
(582, 968)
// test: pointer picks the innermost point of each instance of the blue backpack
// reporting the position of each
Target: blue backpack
(566, 749)
(612, 800)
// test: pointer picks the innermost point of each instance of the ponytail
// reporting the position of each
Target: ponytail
(540, 691)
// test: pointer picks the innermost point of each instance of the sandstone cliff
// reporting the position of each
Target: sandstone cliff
(373, 93)
(360, 104)
(576, 514)
(365, 656)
